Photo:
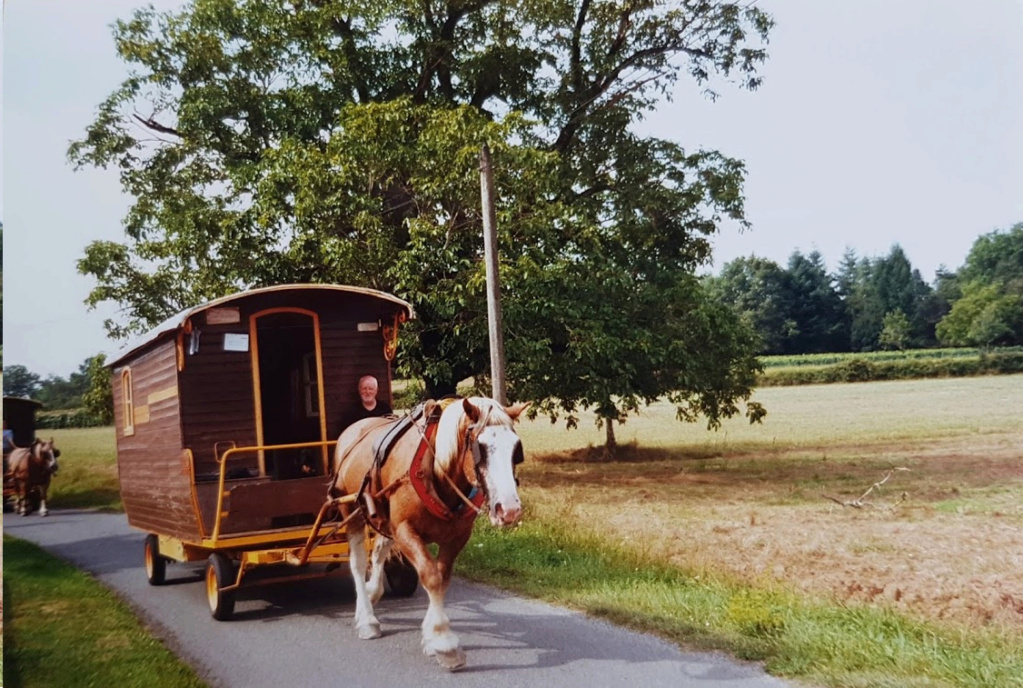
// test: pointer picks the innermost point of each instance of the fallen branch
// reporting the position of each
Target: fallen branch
(860, 503)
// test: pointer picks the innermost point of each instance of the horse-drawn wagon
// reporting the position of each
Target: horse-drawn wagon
(29, 463)
(226, 415)
(19, 431)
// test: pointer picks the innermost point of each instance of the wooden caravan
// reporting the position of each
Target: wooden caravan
(20, 419)
(226, 415)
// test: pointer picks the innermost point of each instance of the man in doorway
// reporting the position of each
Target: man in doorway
(369, 406)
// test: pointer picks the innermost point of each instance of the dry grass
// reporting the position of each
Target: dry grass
(941, 541)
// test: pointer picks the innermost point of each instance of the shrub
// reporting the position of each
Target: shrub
(1000, 362)
(67, 418)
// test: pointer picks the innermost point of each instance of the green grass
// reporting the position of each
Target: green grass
(88, 469)
(62, 628)
(831, 645)
(862, 413)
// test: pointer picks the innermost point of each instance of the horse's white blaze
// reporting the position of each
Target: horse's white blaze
(505, 505)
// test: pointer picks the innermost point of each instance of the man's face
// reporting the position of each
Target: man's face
(367, 391)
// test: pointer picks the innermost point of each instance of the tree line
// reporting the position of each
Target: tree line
(870, 304)
(86, 391)
(879, 303)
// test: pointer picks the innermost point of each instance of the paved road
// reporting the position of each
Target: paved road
(300, 634)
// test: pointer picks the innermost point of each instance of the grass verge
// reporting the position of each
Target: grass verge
(832, 645)
(88, 469)
(65, 629)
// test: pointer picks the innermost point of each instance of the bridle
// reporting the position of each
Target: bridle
(472, 440)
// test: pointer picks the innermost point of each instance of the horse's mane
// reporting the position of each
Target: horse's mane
(449, 430)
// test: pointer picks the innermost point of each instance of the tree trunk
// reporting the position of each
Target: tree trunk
(610, 443)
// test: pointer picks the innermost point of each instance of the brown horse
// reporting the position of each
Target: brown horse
(31, 469)
(428, 489)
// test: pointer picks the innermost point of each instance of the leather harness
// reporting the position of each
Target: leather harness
(373, 494)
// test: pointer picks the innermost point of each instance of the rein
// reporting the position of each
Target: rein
(417, 476)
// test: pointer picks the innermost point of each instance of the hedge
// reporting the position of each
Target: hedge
(68, 418)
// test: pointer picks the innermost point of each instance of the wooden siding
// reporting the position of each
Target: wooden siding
(20, 418)
(261, 504)
(347, 356)
(217, 400)
(155, 485)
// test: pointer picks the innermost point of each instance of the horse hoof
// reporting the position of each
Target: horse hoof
(369, 632)
(453, 660)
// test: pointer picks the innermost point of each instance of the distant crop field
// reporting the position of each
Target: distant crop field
(814, 416)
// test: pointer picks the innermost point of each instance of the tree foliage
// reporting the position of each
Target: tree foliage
(56, 392)
(816, 306)
(20, 382)
(895, 331)
(757, 290)
(267, 142)
(877, 287)
(98, 399)
(989, 311)
(881, 302)
(794, 310)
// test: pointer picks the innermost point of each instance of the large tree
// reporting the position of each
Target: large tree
(883, 287)
(989, 286)
(268, 141)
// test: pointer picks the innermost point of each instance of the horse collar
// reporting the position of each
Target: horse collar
(416, 476)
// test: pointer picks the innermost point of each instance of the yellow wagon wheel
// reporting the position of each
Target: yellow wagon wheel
(156, 565)
(220, 574)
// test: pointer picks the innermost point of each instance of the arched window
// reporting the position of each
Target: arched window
(127, 403)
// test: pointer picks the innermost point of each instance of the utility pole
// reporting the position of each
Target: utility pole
(493, 278)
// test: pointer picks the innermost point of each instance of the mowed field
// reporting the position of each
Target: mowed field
(765, 504)
(768, 504)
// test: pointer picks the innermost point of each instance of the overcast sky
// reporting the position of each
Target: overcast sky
(879, 122)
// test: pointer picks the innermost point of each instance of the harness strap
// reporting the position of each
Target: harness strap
(372, 498)
(430, 500)
(475, 499)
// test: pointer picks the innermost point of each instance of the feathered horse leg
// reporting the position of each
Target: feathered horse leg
(366, 623)
(435, 574)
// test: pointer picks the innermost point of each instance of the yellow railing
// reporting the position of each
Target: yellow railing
(223, 459)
